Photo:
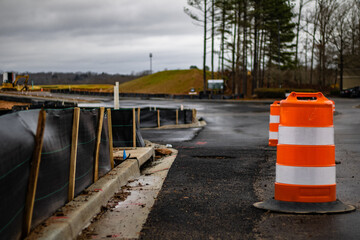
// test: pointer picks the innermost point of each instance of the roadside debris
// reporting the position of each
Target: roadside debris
(163, 151)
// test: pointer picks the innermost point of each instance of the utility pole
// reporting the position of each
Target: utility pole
(279, 48)
(150, 55)
(204, 57)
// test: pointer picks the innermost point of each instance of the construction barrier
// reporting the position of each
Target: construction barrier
(274, 123)
(50, 156)
(152, 117)
(125, 130)
(305, 167)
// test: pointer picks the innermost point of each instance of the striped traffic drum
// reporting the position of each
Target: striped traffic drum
(274, 123)
(305, 167)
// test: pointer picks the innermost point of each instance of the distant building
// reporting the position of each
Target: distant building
(351, 75)
(351, 78)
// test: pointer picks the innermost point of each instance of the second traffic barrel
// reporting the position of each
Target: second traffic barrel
(274, 123)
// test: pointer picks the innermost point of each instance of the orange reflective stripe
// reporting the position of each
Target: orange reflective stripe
(274, 123)
(306, 156)
(273, 127)
(306, 116)
(305, 193)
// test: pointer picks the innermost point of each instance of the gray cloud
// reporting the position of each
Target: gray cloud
(113, 36)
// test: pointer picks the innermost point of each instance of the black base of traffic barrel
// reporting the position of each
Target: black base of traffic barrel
(303, 207)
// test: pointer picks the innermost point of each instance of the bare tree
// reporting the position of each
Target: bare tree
(353, 22)
(326, 10)
(301, 5)
(256, 45)
(212, 36)
(244, 67)
(202, 6)
(312, 18)
(339, 36)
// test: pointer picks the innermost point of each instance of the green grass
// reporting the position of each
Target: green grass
(103, 87)
(170, 82)
(167, 82)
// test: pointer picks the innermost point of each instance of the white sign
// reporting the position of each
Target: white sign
(216, 84)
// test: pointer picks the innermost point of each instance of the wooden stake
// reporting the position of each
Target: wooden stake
(177, 117)
(158, 118)
(74, 144)
(134, 128)
(110, 138)
(98, 140)
(194, 115)
(139, 110)
(34, 172)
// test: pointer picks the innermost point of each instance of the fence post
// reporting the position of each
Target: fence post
(34, 172)
(74, 144)
(116, 96)
(110, 138)
(139, 110)
(193, 116)
(158, 118)
(98, 140)
(177, 117)
(134, 127)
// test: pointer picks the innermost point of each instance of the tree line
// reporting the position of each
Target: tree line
(277, 43)
(53, 78)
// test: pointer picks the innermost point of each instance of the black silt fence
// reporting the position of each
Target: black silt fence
(149, 117)
(188, 116)
(167, 116)
(17, 135)
(123, 121)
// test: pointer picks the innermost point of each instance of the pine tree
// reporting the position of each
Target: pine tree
(280, 30)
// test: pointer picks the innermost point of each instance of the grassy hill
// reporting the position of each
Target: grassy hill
(171, 82)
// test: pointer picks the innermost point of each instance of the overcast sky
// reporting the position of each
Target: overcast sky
(114, 36)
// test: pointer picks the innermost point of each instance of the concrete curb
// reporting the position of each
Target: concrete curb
(18, 97)
(78, 213)
(260, 101)
(126, 219)
(197, 124)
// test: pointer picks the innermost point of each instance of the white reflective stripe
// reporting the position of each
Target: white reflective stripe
(305, 175)
(273, 135)
(274, 119)
(306, 135)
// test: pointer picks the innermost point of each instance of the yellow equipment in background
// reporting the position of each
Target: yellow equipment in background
(11, 83)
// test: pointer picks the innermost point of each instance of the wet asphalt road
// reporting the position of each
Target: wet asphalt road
(224, 168)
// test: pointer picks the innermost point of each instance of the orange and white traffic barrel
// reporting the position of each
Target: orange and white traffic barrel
(274, 123)
(305, 167)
